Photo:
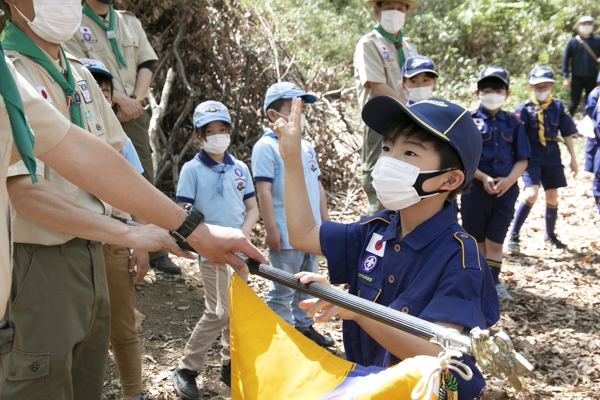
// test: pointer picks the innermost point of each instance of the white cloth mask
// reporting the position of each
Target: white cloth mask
(399, 184)
(392, 20)
(287, 118)
(542, 96)
(420, 93)
(56, 21)
(492, 101)
(217, 144)
(585, 29)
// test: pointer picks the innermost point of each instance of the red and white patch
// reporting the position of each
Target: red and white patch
(44, 92)
(84, 29)
(376, 245)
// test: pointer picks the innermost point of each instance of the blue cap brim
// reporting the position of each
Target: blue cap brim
(207, 120)
(420, 71)
(100, 71)
(535, 81)
(307, 97)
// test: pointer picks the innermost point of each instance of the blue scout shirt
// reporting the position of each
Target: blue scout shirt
(132, 156)
(435, 273)
(592, 153)
(198, 183)
(267, 166)
(504, 142)
(556, 118)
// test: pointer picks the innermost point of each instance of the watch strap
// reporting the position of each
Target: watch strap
(194, 218)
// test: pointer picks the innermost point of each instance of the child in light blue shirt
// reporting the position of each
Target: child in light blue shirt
(221, 188)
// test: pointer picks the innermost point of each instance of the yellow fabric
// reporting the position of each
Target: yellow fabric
(272, 360)
(541, 107)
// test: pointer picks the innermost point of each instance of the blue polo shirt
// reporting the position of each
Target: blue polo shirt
(132, 157)
(267, 166)
(504, 142)
(556, 120)
(435, 273)
(198, 183)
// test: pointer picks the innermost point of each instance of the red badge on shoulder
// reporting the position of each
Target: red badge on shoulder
(376, 245)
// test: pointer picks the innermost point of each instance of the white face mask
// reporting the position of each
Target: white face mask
(420, 93)
(392, 20)
(585, 29)
(542, 96)
(399, 184)
(492, 101)
(287, 118)
(56, 21)
(217, 144)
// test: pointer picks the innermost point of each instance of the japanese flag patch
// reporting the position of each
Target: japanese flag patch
(479, 122)
(86, 32)
(376, 245)
(44, 92)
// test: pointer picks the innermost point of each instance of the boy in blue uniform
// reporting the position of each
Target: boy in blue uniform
(267, 168)
(412, 257)
(488, 208)
(418, 78)
(592, 148)
(543, 117)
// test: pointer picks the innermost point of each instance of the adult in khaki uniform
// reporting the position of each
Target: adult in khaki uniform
(378, 58)
(117, 39)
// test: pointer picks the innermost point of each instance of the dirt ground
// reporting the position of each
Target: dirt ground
(554, 320)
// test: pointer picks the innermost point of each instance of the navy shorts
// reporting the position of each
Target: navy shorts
(486, 216)
(545, 167)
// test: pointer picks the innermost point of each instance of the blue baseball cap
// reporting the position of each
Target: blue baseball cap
(417, 64)
(95, 66)
(540, 74)
(445, 120)
(210, 111)
(495, 71)
(286, 91)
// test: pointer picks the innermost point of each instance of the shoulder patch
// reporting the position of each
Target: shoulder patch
(470, 249)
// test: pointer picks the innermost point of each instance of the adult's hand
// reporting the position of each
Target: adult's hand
(152, 238)
(220, 245)
(567, 84)
(128, 108)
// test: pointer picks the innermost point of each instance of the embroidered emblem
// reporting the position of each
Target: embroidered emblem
(44, 92)
(86, 32)
(76, 98)
(240, 186)
(434, 102)
(386, 53)
(35, 367)
(492, 70)
(418, 61)
(310, 154)
(369, 264)
(212, 110)
(238, 172)
(83, 86)
(313, 168)
(479, 122)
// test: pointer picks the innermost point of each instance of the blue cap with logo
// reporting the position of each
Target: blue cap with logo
(210, 111)
(417, 64)
(495, 71)
(445, 120)
(95, 66)
(286, 91)
(541, 74)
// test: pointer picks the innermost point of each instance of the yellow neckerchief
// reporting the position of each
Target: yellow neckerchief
(539, 109)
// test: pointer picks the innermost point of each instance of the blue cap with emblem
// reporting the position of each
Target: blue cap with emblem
(95, 66)
(210, 111)
(286, 91)
(494, 72)
(541, 74)
(417, 64)
(445, 120)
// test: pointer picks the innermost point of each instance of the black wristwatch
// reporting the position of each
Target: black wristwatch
(194, 218)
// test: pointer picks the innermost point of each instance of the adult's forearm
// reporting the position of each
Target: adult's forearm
(97, 168)
(142, 83)
(383, 89)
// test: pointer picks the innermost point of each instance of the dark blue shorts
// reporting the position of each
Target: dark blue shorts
(545, 167)
(486, 216)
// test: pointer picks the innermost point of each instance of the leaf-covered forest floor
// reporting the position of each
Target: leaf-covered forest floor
(554, 320)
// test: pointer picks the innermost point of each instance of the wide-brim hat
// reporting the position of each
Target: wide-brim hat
(445, 120)
(410, 3)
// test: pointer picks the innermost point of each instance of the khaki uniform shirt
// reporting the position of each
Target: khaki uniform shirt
(99, 119)
(49, 128)
(91, 41)
(376, 60)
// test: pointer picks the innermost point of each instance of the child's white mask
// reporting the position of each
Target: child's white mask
(420, 93)
(399, 184)
(392, 20)
(217, 144)
(492, 101)
(542, 96)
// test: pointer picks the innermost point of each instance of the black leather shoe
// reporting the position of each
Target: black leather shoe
(184, 382)
(164, 264)
(225, 375)
(316, 337)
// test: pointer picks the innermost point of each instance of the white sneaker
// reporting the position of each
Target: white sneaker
(502, 292)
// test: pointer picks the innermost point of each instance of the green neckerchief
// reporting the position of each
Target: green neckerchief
(21, 131)
(110, 31)
(397, 43)
(14, 39)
